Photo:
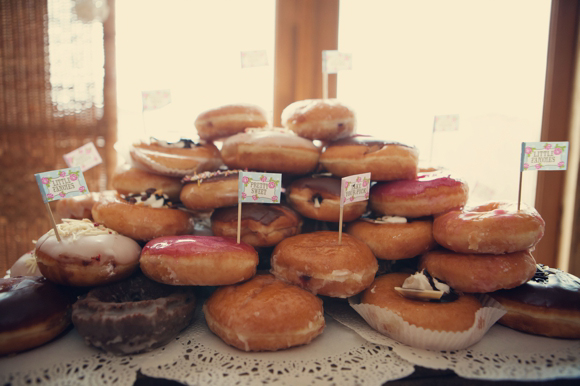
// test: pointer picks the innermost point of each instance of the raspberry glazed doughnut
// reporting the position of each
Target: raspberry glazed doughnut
(319, 264)
(134, 315)
(394, 238)
(270, 150)
(210, 190)
(264, 314)
(548, 304)
(227, 120)
(428, 194)
(322, 119)
(130, 180)
(262, 225)
(143, 216)
(176, 159)
(198, 260)
(494, 227)
(25, 266)
(77, 207)
(318, 197)
(34, 311)
(358, 154)
(88, 254)
(479, 273)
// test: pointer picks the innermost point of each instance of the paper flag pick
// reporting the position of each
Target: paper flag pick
(259, 187)
(334, 61)
(544, 156)
(446, 123)
(155, 99)
(84, 157)
(355, 188)
(58, 184)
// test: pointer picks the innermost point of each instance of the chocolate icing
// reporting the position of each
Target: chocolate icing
(364, 140)
(328, 185)
(207, 177)
(265, 214)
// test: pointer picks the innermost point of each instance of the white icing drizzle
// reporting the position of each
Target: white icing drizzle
(387, 220)
(78, 228)
(419, 281)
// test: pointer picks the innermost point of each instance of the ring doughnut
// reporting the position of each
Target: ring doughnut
(479, 273)
(224, 121)
(429, 194)
(322, 119)
(77, 207)
(25, 266)
(34, 311)
(87, 254)
(198, 260)
(494, 227)
(176, 159)
(210, 190)
(264, 314)
(361, 154)
(130, 180)
(270, 150)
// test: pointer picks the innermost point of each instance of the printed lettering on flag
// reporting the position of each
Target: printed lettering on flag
(254, 58)
(84, 157)
(155, 99)
(259, 187)
(446, 123)
(58, 184)
(334, 61)
(355, 188)
(544, 156)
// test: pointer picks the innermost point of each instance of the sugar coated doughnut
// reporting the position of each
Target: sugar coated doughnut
(25, 266)
(319, 264)
(548, 304)
(262, 225)
(318, 197)
(493, 227)
(128, 180)
(143, 216)
(361, 154)
(34, 311)
(479, 273)
(87, 254)
(428, 194)
(210, 190)
(270, 150)
(394, 238)
(264, 314)
(77, 207)
(176, 159)
(134, 315)
(322, 119)
(227, 120)
(198, 260)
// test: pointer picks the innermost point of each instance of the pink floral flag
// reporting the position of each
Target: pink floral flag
(544, 156)
(155, 99)
(446, 122)
(58, 184)
(355, 188)
(259, 187)
(334, 61)
(84, 157)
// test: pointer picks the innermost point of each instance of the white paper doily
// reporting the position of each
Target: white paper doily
(502, 354)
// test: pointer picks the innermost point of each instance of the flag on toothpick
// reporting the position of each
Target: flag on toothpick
(84, 157)
(446, 123)
(254, 58)
(352, 189)
(155, 99)
(259, 187)
(544, 156)
(334, 61)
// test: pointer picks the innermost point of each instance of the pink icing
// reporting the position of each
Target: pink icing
(193, 245)
(424, 181)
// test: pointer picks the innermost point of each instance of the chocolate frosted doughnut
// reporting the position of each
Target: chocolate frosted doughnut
(210, 190)
(134, 315)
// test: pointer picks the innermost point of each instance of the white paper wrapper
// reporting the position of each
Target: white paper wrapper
(392, 325)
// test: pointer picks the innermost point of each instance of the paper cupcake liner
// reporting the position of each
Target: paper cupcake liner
(392, 325)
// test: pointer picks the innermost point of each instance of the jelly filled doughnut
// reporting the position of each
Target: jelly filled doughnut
(130, 180)
(319, 264)
(264, 314)
(77, 207)
(87, 254)
(176, 159)
(262, 225)
(318, 197)
(322, 119)
(271, 150)
(133, 315)
(479, 273)
(361, 154)
(227, 120)
(143, 216)
(210, 190)
(493, 227)
(198, 260)
(428, 194)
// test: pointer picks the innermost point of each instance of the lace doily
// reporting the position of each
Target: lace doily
(502, 354)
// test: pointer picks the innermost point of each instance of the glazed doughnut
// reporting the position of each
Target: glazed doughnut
(262, 225)
(361, 154)
(319, 264)
(25, 266)
(133, 217)
(130, 180)
(134, 315)
(198, 260)
(548, 304)
(318, 197)
(479, 273)
(225, 121)
(270, 150)
(210, 190)
(176, 159)
(264, 314)
(87, 254)
(322, 119)
(34, 311)
(428, 194)
(394, 238)
(77, 207)
(493, 227)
